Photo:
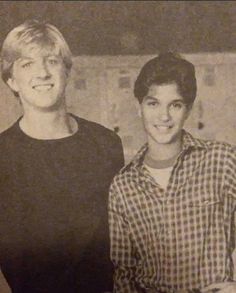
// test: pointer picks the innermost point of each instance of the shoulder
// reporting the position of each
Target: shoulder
(120, 180)
(217, 151)
(9, 134)
(9, 143)
(129, 175)
(220, 148)
(211, 146)
(125, 187)
(106, 140)
(97, 130)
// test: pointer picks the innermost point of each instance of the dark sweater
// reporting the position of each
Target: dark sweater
(53, 211)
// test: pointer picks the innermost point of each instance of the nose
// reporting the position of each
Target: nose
(164, 114)
(43, 70)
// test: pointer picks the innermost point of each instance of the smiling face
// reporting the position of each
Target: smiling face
(163, 113)
(39, 77)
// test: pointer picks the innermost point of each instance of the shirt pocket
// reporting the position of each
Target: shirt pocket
(208, 209)
(204, 202)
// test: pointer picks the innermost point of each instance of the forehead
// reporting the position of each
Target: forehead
(35, 50)
(167, 92)
(39, 50)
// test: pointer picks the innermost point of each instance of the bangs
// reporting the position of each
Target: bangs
(36, 45)
(35, 37)
(40, 47)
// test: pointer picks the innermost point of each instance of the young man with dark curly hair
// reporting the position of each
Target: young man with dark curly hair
(172, 208)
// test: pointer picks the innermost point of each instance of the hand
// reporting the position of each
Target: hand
(224, 287)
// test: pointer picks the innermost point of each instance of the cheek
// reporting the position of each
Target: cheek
(63, 78)
(148, 113)
(182, 117)
(146, 117)
(148, 120)
(18, 83)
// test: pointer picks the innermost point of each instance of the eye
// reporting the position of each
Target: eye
(53, 61)
(152, 103)
(177, 105)
(26, 64)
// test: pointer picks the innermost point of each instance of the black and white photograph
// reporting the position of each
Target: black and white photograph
(118, 147)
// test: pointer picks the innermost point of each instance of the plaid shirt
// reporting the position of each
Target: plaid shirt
(179, 239)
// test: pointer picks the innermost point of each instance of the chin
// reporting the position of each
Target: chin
(54, 104)
(166, 140)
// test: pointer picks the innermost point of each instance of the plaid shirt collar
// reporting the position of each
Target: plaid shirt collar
(189, 142)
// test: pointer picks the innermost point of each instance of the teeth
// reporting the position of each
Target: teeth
(163, 128)
(43, 87)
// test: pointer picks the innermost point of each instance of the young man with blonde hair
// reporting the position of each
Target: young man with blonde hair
(55, 171)
(172, 208)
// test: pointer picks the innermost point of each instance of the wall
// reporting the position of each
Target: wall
(212, 115)
(100, 89)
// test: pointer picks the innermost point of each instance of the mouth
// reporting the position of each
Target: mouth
(43, 87)
(163, 128)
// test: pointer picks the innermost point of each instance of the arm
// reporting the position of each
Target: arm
(230, 173)
(230, 184)
(122, 250)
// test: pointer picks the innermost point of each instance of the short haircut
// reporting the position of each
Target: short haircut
(30, 35)
(167, 68)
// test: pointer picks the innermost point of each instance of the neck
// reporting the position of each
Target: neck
(48, 125)
(162, 152)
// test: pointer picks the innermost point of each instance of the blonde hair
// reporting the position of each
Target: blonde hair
(32, 35)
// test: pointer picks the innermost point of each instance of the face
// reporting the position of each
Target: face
(40, 79)
(163, 113)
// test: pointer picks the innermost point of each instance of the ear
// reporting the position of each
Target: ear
(12, 84)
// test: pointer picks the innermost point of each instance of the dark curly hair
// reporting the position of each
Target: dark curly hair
(167, 68)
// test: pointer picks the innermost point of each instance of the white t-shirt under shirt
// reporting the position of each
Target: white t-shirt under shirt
(160, 170)
(161, 176)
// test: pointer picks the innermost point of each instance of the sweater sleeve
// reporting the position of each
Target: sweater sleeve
(118, 154)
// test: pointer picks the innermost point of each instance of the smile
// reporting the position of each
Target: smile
(43, 87)
(163, 128)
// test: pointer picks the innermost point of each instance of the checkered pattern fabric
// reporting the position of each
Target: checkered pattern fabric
(179, 239)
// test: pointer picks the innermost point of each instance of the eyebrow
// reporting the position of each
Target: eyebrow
(26, 58)
(150, 98)
(156, 99)
(23, 58)
(31, 58)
